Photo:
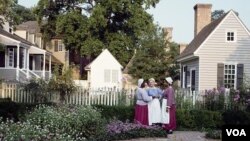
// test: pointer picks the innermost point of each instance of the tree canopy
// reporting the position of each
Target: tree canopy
(89, 26)
(155, 58)
(14, 13)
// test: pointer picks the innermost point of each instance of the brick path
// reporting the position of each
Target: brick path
(179, 136)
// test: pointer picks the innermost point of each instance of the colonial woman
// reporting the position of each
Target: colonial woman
(170, 108)
(142, 99)
(154, 107)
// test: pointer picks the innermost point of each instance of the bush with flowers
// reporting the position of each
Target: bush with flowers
(55, 123)
(118, 130)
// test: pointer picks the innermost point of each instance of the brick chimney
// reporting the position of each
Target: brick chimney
(202, 16)
(168, 31)
(182, 47)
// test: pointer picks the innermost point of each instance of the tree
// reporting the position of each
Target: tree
(6, 7)
(155, 58)
(23, 14)
(216, 14)
(112, 24)
(14, 13)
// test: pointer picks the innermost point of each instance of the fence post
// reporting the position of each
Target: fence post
(194, 98)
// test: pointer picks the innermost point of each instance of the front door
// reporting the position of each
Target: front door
(11, 57)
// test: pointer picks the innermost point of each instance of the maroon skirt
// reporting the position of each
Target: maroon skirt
(172, 119)
(141, 114)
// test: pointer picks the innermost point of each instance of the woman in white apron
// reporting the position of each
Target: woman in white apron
(154, 107)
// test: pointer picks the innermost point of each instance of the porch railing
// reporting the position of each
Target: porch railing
(8, 73)
(40, 73)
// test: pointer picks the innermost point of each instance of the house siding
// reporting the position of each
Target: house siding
(192, 64)
(216, 50)
(103, 62)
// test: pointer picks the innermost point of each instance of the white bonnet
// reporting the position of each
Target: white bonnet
(140, 81)
(169, 80)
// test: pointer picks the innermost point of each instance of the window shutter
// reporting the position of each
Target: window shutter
(186, 74)
(240, 71)
(181, 76)
(220, 75)
(56, 45)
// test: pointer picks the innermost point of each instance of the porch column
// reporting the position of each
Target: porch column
(50, 66)
(44, 65)
(27, 63)
(17, 66)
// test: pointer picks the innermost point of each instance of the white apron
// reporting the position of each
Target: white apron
(154, 111)
(164, 114)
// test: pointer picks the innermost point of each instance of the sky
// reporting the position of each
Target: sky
(179, 14)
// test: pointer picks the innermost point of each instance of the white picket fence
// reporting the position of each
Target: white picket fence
(103, 96)
(82, 96)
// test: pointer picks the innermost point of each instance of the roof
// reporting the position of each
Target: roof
(15, 37)
(130, 63)
(30, 26)
(18, 38)
(201, 37)
(88, 67)
(54, 60)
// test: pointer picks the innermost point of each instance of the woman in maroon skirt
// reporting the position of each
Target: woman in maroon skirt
(142, 99)
(169, 94)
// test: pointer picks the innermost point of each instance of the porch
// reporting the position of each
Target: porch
(20, 60)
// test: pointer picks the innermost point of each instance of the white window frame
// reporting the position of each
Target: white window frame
(107, 75)
(60, 46)
(235, 36)
(11, 53)
(115, 76)
(235, 73)
(183, 76)
(111, 75)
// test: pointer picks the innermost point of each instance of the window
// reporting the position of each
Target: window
(114, 76)
(107, 75)
(231, 36)
(184, 76)
(11, 57)
(58, 45)
(111, 76)
(229, 75)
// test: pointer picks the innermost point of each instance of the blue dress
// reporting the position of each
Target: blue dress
(154, 92)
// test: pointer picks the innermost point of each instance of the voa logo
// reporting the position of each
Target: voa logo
(236, 132)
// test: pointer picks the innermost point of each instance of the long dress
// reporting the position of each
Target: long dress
(141, 108)
(170, 95)
(154, 107)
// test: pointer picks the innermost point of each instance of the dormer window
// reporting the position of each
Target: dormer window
(230, 36)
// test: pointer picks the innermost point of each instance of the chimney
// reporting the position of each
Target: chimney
(202, 16)
(182, 47)
(168, 31)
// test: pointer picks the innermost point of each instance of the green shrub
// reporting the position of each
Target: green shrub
(15, 111)
(198, 119)
(213, 134)
(122, 113)
(13, 131)
(236, 117)
(79, 122)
